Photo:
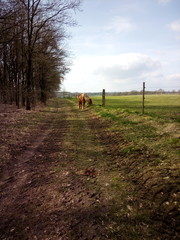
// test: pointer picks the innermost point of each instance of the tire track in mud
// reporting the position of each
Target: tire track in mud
(17, 174)
(45, 193)
(13, 181)
(83, 199)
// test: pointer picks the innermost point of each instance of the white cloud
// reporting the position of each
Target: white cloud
(121, 24)
(127, 66)
(115, 73)
(175, 26)
(167, 82)
(175, 78)
(113, 27)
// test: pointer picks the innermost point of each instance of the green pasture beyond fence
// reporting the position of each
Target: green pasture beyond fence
(163, 105)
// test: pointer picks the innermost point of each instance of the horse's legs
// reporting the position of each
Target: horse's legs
(83, 104)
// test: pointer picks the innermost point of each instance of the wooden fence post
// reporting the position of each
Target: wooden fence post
(103, 97)
(143, 97)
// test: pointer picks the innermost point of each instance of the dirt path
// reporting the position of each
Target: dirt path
(62, 186)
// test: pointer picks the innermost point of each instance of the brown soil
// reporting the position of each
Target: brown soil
(63, 177)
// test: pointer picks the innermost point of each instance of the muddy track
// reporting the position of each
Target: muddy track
(43, 194)
(60, 186)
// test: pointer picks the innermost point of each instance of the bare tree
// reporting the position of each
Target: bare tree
(30, 29)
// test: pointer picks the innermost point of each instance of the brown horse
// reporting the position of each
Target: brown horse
(82, 99)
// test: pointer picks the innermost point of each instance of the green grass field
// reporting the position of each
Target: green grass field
(157, 129)
(162, 106)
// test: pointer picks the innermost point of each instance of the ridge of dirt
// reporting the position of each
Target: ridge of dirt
(67, 181)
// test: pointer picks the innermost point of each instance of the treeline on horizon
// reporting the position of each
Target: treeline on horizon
(33, 60)
(133, 92)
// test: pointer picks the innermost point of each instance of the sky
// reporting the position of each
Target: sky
(119, 44)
